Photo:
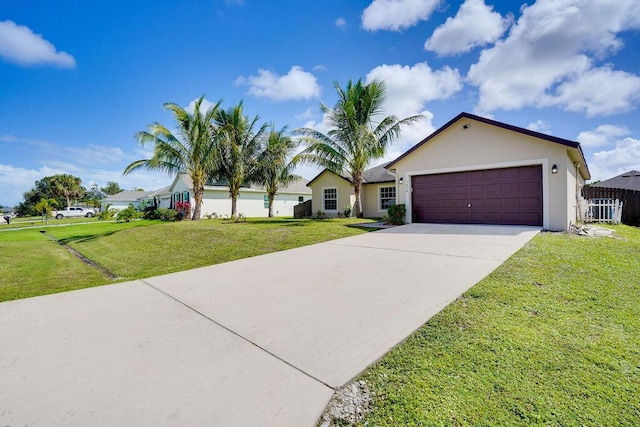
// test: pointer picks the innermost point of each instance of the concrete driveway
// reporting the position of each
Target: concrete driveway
(259, 341)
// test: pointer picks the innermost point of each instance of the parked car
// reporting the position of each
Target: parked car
(73, 212)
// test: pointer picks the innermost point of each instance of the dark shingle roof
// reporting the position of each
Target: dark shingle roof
(627, 181)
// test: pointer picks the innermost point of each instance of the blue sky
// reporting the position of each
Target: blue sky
(78, 79)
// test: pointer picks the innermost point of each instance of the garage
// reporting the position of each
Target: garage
(512, 196)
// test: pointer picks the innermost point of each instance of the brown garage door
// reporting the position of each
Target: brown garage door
(492, 196)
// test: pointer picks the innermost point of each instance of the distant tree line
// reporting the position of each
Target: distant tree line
(60, 191)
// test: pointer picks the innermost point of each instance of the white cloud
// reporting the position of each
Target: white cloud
(204, 107)
(599, 92)
(409, 88)
(341, 22)
(396, 15)
(319, 67)
(20, 45)
(308, 114)
(624, 157)
(540, 126)
(549, 56)
(296, 84)
(602, 135)
(475, 24)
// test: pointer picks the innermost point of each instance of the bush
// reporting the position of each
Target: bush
(107, 213)
(127, 214)
(397, 214)
(319, 215)
(163, 214)
(347, 212)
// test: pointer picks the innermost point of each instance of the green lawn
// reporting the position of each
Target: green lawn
(34, 265)
(552, 337)
(36, 221)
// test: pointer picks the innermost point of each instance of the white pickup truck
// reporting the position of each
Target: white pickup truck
(73, 212)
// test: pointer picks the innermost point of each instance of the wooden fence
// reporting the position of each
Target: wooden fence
(629, 198)
(302, 210)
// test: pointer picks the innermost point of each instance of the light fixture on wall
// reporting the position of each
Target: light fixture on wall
(554, 169)
(465, 126)
(401, 180)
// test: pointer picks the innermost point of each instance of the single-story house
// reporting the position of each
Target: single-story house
(475, 170)
(626, 181)
(252, 199)
(333, 193)
(119, 201)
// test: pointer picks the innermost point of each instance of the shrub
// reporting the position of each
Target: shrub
(397, 214)
(107, 213)
(347, 211)
(162, 214)
(319, 215)
(240, 218)
(127, 214)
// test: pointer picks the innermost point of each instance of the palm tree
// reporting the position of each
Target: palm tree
(191, 151)
(355, 139)
(274, 170)
(45, 206)
(237, 146)
(67, 186)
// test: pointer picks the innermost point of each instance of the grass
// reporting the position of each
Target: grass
(31, 265)
(34, 265)
(36, 221)
(550, 338)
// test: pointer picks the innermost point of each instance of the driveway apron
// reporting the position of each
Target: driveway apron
(259, 341)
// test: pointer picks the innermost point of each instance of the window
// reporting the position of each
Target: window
(330, 199)
(175, 199)
(387, 197)
(300, 199)
(185, 196)
(266, 201)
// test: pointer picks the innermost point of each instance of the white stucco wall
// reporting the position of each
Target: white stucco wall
(250, 203)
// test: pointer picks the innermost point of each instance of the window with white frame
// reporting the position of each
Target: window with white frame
(266, 201)
(300, 199)
(387, 197)
(330, 199)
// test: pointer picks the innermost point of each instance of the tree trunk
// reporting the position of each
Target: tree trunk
(68, 202)
(271, 197)
(197, 196)
(357, 207)
(234, 199)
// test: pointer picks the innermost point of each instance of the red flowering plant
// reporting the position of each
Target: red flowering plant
(183, 209)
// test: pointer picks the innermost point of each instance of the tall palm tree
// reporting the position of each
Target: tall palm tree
(191, 151)
(275, 167)
(237, 146)
(356, 139)
(45, 206)
(67, 186)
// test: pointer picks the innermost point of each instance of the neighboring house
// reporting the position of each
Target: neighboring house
(626, 181)
(119, 201)
(252, 200)
(475, 170)
(332, 193)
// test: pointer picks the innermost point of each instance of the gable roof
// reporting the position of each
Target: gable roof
(373, 175)
(572, 144)
(134, 196)
(298, 186)
(627, 181)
